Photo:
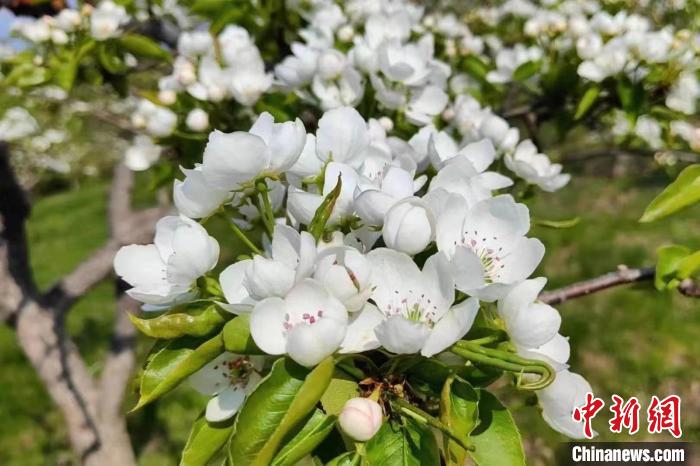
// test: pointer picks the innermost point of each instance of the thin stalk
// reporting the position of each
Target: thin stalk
(266, 213)
(424, 418)
(242, 236)
(507, 361)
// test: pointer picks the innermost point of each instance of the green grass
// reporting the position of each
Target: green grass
(630, 340)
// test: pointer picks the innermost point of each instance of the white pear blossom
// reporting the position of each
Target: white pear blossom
(374, 201)
(107, 19)
(409, 226)
(228, 379)
(536, 168)
(611, 60)
(142, 154)
(308, 324)
(342, 136)
(346, 274)
(291, 258)
(163, 273)
(197, 120)
(486, 244)
(298, 69)
(17, 123)
(684, 94)
(232, 159)
(415, 306)
(558, 401)
(425, 105)
(194, 197)
(648, 129)
(533, 326)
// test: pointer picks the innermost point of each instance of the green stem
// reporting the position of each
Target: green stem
(268, 217)
(507, 361)
(495, 338)
(421, 416)
(242, 236)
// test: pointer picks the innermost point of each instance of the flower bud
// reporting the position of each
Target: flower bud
(360, 418)
(346, 33)
(167, 97)
(387, 123)
(197, 120)
(409, 226)
(59, 37)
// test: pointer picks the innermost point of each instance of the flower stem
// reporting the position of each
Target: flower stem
(508, 362)
(421, 416)
(268, 217)
(242, 236)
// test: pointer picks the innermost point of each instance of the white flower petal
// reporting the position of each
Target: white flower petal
(224, 405)
(360, 335)
(402, 336)
(267, 325)
(310, 344)
(453, 326)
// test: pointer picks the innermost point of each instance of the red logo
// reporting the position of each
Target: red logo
(665, 415)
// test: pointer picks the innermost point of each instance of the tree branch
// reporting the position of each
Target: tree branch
(92, 409)
(622, 276)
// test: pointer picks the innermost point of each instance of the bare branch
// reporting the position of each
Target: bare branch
(622, 276)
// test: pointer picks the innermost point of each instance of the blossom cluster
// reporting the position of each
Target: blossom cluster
(370, 242)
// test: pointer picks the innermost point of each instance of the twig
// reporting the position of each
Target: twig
(622, 276)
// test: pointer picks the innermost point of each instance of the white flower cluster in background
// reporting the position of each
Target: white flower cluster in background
(105, 21)
(17, 123)
(393, 54)
(413, 242)
(231, 69)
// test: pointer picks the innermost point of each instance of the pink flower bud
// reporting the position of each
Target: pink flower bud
(361, 418)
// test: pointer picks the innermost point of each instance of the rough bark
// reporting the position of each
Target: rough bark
(92, 408)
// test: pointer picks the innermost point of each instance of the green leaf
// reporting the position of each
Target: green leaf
(496, 439)
(210, 287)
(689, 265)
(179, 324)
(26, 75)
(325, 210)
(349, 458)
(143, 46)
(459, 412)
(670, 257)
(309, 437)
(174, 363)
(631, 96)
(110, 58)
(205, 440)
(684, 191)
(409, 444)
(341, 389)
(474, 66)
(65, 72)
(526, 70)
(587, 101)
(558, 224)
(237, 338)
(279, 403)
(206, 7)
